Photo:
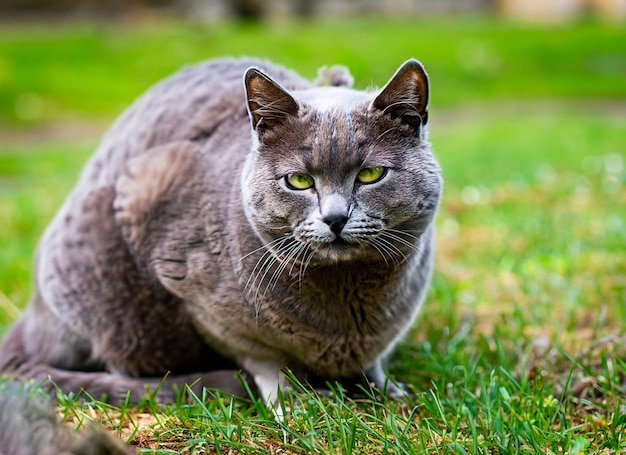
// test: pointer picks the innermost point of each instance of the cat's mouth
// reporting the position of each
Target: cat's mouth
(341, 243)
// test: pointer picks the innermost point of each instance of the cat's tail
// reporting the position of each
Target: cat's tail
(334, 76)
(29, 426)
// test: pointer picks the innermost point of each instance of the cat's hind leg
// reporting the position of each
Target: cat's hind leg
(38, 348)
(18, 360)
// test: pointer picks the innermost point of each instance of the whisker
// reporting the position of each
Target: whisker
(306, 262)
(265, 270)
(301, 253)
(399, 239)
(295, 261)
(407, 233)
(253, 291)
(415, 247)
(277, 257)
(382, 249)
(290, 253)
(266, 256)
(268, 251)
(266, 246)
(277, 228)
(264, 263)
(392, 249)
(303, 264)
(381, 252)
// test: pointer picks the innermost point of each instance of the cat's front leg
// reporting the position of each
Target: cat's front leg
(268, 379)
(376, 375)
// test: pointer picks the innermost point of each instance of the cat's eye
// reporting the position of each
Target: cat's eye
(299, 181)
(371, 174)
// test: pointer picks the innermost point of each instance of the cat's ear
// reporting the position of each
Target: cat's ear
(268, 103)
(406, 95)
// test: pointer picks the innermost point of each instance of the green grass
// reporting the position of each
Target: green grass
(520, 347)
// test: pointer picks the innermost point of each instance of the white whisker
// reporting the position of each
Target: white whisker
(267, 255)
(380, 251)
(399, 239)
(393, 250)
(305, 247)
(266, 246)
(263, 265)
(407, 233)
(290, 254)
(305, 263)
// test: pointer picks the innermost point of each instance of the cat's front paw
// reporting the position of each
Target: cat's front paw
(396, 390)
(379, 380)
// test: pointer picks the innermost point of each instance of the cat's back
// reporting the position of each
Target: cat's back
(191, 105)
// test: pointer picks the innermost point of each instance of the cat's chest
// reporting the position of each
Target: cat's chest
(334, 330)
(336, 352)
(334, 320)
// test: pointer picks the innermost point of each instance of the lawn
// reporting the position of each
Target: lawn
(521, 344)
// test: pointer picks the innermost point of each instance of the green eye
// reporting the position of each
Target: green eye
(298, 181)
(371, 174)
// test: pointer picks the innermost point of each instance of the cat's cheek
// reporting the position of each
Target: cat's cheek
(258, 205)
(297, 203)
(261, 201)
(378, 202)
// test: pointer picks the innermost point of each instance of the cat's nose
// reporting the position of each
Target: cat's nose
(336, 221)
(335, 212)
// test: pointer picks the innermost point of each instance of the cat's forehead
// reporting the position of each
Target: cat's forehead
(336, 137)
(336, 131)
(326, 99)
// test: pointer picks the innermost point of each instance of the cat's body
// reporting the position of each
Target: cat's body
(223, 225)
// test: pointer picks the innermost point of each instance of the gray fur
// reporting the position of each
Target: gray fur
(182, 250)
(29, 426)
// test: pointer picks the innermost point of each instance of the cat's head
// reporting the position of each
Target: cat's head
(337, 174)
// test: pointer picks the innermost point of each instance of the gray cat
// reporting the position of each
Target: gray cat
(266, 226)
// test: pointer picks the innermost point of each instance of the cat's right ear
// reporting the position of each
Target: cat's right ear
(269, 104)
(406, 95)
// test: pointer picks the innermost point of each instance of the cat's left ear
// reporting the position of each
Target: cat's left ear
(269, 104)
(406, 95)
